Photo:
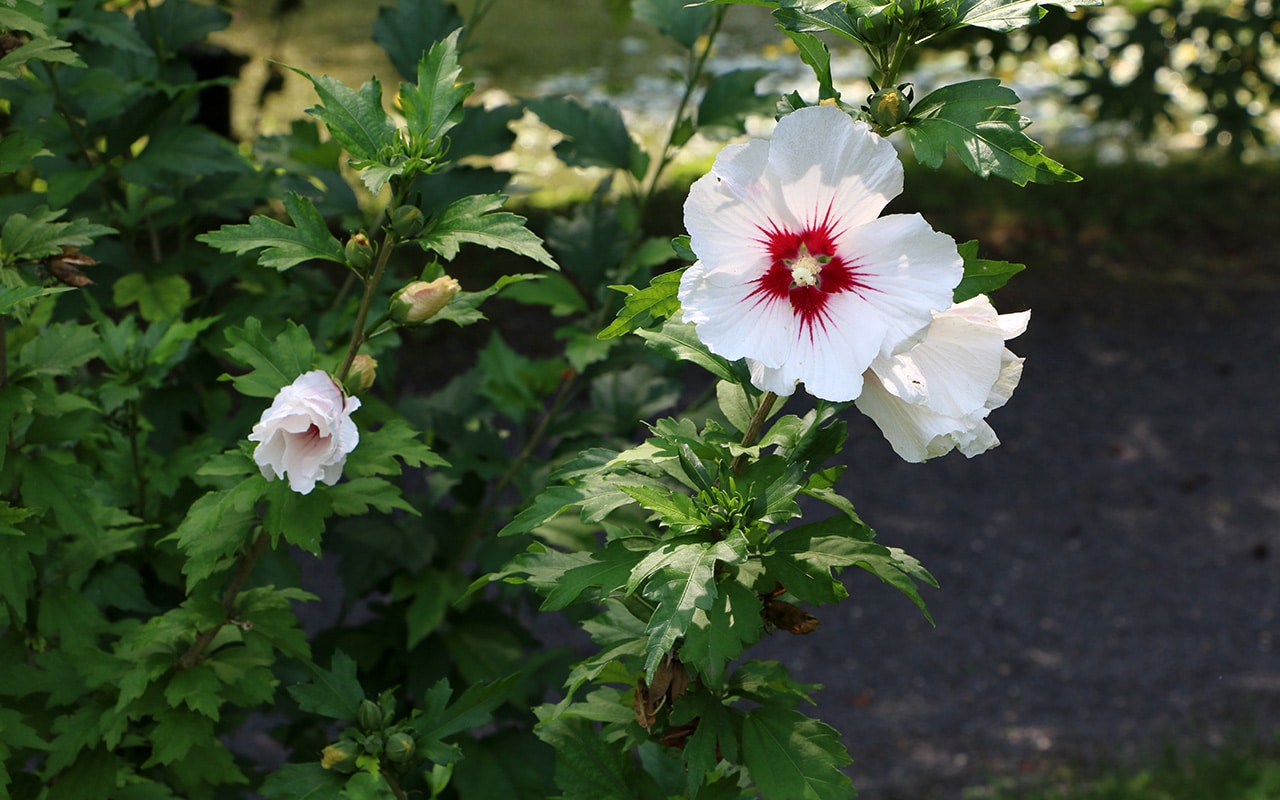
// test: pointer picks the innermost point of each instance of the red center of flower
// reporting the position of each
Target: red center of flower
(805, 270)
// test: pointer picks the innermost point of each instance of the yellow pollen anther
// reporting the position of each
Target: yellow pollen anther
(805, 271)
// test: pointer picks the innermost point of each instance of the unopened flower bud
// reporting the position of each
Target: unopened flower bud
(890, 107)
(421, 300)
(400, 747)
(359, 251)
(406, 221)
(373, 744)
(361, 376)
(340, 756)
(369, 716)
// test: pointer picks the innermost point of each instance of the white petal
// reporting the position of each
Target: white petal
(728, 209)
(824, 161)
(732, 323)
(909, 269)
(934, 397)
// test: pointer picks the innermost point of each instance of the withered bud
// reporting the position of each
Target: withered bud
(66, 266)
(788, 617)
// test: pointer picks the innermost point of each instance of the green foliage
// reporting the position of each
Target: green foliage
(976, 120)
(151, 562)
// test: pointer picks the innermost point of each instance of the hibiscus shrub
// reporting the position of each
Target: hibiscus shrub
(269, 380)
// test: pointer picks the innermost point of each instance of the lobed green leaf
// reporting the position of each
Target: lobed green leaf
(476, 220)
(981, 275)
(977, 121)
(283, 246)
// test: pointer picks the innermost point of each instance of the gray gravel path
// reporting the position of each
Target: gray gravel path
(1109, 574)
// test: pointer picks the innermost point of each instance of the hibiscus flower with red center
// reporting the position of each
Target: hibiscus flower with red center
(797, 271)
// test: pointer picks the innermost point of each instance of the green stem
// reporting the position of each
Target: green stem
(754, 428)
(358, 333)
(394, 783)
(900, 49)
(247, 561)
(697, 63)
(526, 452)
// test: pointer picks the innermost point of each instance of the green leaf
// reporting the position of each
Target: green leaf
(586, 765)
(158, 296)
(730, 98)
(719, 634)
(982, 276)
(216, 527)
(300, 518)
(334, 693)
(1006, 15)
(673, 509)
(38, 235)
(382, 450)
(816, 17)
(595, 135)
(39, 48)
(17, 150)
(819, 547)
(355, 119)
(60, 349)
(11, 296)
(793, 757)
(302, 782)
(404, 28)
(591, 243)
(435, 104)
(643, 307)
(176, 732)
(679, 341)
(977, 120)
(284, 245)
(607, 570)
(463, 309)
(473, 709)
(674, 19)
(274, 363)
(355, 497)
(476, 220)
(814, 52)
(715, 738)
(685, 583)
(431, 594)
(198, 688)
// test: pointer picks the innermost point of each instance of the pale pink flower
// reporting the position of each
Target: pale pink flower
(797, 271)
(307, 433)
(936, 396)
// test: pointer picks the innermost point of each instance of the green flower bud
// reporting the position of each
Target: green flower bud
(400, 747)
(340, 756)
(406, 221)
(364, 369)
(373, 744)
(890, 107)
(369, 717)
(359, 251)
(421, 300)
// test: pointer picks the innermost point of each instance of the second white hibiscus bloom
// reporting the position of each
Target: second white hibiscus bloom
(799, 274)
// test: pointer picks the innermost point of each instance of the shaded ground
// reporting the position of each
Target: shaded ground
(1109, 574)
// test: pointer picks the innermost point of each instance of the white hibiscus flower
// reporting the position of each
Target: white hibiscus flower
(797, 272)
(935, 397)
(307, 433)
